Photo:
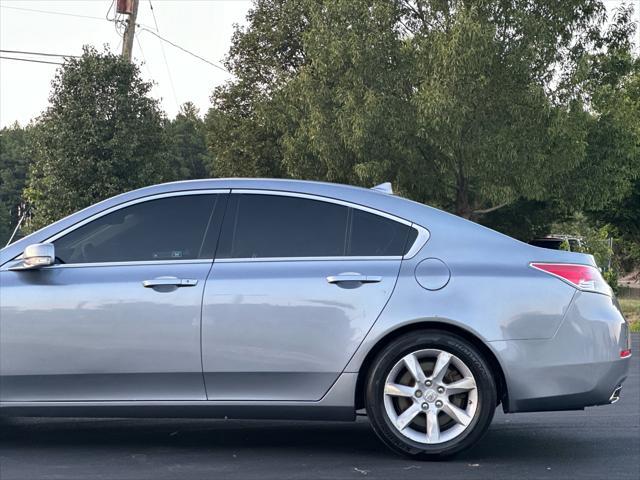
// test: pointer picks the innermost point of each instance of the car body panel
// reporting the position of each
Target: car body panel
(278, 330)
(493, 293)
(95, 333)
(535, 325)
(580, 366)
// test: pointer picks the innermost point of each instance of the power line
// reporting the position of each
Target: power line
(65, 14)
(29, 60)
(51, 12)
(113, 2)
(164, 56)
(154, 16)
(184, 49)
(119, 44)
(144, 59)
(39, 53)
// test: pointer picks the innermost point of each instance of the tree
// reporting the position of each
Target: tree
(349, 110)
(606, 184)
(472, 106)
(243, 132)
(187, 143)
(528, 219)
(101, 135)
(14, 164)
(611, 86)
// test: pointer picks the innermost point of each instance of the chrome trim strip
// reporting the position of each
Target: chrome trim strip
(322, 199)
(135, 263)
(153, 403)
(133, 202)
(304, 259)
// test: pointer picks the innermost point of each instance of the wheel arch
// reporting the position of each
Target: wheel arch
(390, 336)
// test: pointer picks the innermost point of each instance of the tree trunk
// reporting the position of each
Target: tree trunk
(463, 209)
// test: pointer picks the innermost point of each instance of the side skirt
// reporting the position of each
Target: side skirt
(337, 404)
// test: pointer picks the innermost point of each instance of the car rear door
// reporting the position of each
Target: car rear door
(118, 318)
(296, 284)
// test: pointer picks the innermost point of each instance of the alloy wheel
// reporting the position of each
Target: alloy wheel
(430, 396)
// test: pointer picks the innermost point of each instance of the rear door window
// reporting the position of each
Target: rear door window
(282, 226)
(268, 226)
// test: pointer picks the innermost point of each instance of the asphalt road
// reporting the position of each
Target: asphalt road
(598, 443)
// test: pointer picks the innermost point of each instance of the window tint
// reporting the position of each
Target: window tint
(171, 228)
(262, 226)
(411, 239)
(267, 226)
(373, 235)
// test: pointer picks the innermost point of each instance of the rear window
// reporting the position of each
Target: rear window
(551, 243)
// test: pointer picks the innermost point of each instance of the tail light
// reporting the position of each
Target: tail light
(583, 277)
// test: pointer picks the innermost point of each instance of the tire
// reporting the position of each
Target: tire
(432, 426)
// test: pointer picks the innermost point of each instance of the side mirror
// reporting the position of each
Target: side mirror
(36, 256)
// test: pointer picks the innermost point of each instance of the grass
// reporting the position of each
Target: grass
(631, 309)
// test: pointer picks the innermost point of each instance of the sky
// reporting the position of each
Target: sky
(201, 26)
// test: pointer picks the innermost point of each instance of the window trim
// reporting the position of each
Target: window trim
(421, 239)
(419, 242)
(132, 263)
(306, 259)
(120, 206)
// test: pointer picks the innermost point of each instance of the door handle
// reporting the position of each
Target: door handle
(170, 281)
(353, 277)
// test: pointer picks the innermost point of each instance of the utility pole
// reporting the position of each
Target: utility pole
(130, 7)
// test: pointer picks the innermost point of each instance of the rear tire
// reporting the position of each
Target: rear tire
(430, 394)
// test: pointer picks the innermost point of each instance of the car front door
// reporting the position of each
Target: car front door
(296, 284)
(118, 316)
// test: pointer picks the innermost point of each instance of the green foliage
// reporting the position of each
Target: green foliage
(611, 276)
(101, 135)
(627, 250)
(244, 126)
(515, 113)
(187, 144)
(595, 241)
(347, 108)
(527, 219)
(14, 164)
(631, 309)
(623, 212)
(612, 83)
(472, 106)
(487, 112)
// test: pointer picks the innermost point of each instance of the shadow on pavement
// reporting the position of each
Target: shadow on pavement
(521, 443)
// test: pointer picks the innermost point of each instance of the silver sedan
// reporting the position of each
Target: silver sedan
(289, 299)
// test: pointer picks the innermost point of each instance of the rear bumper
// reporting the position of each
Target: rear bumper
(573, 387)
(579, 367)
